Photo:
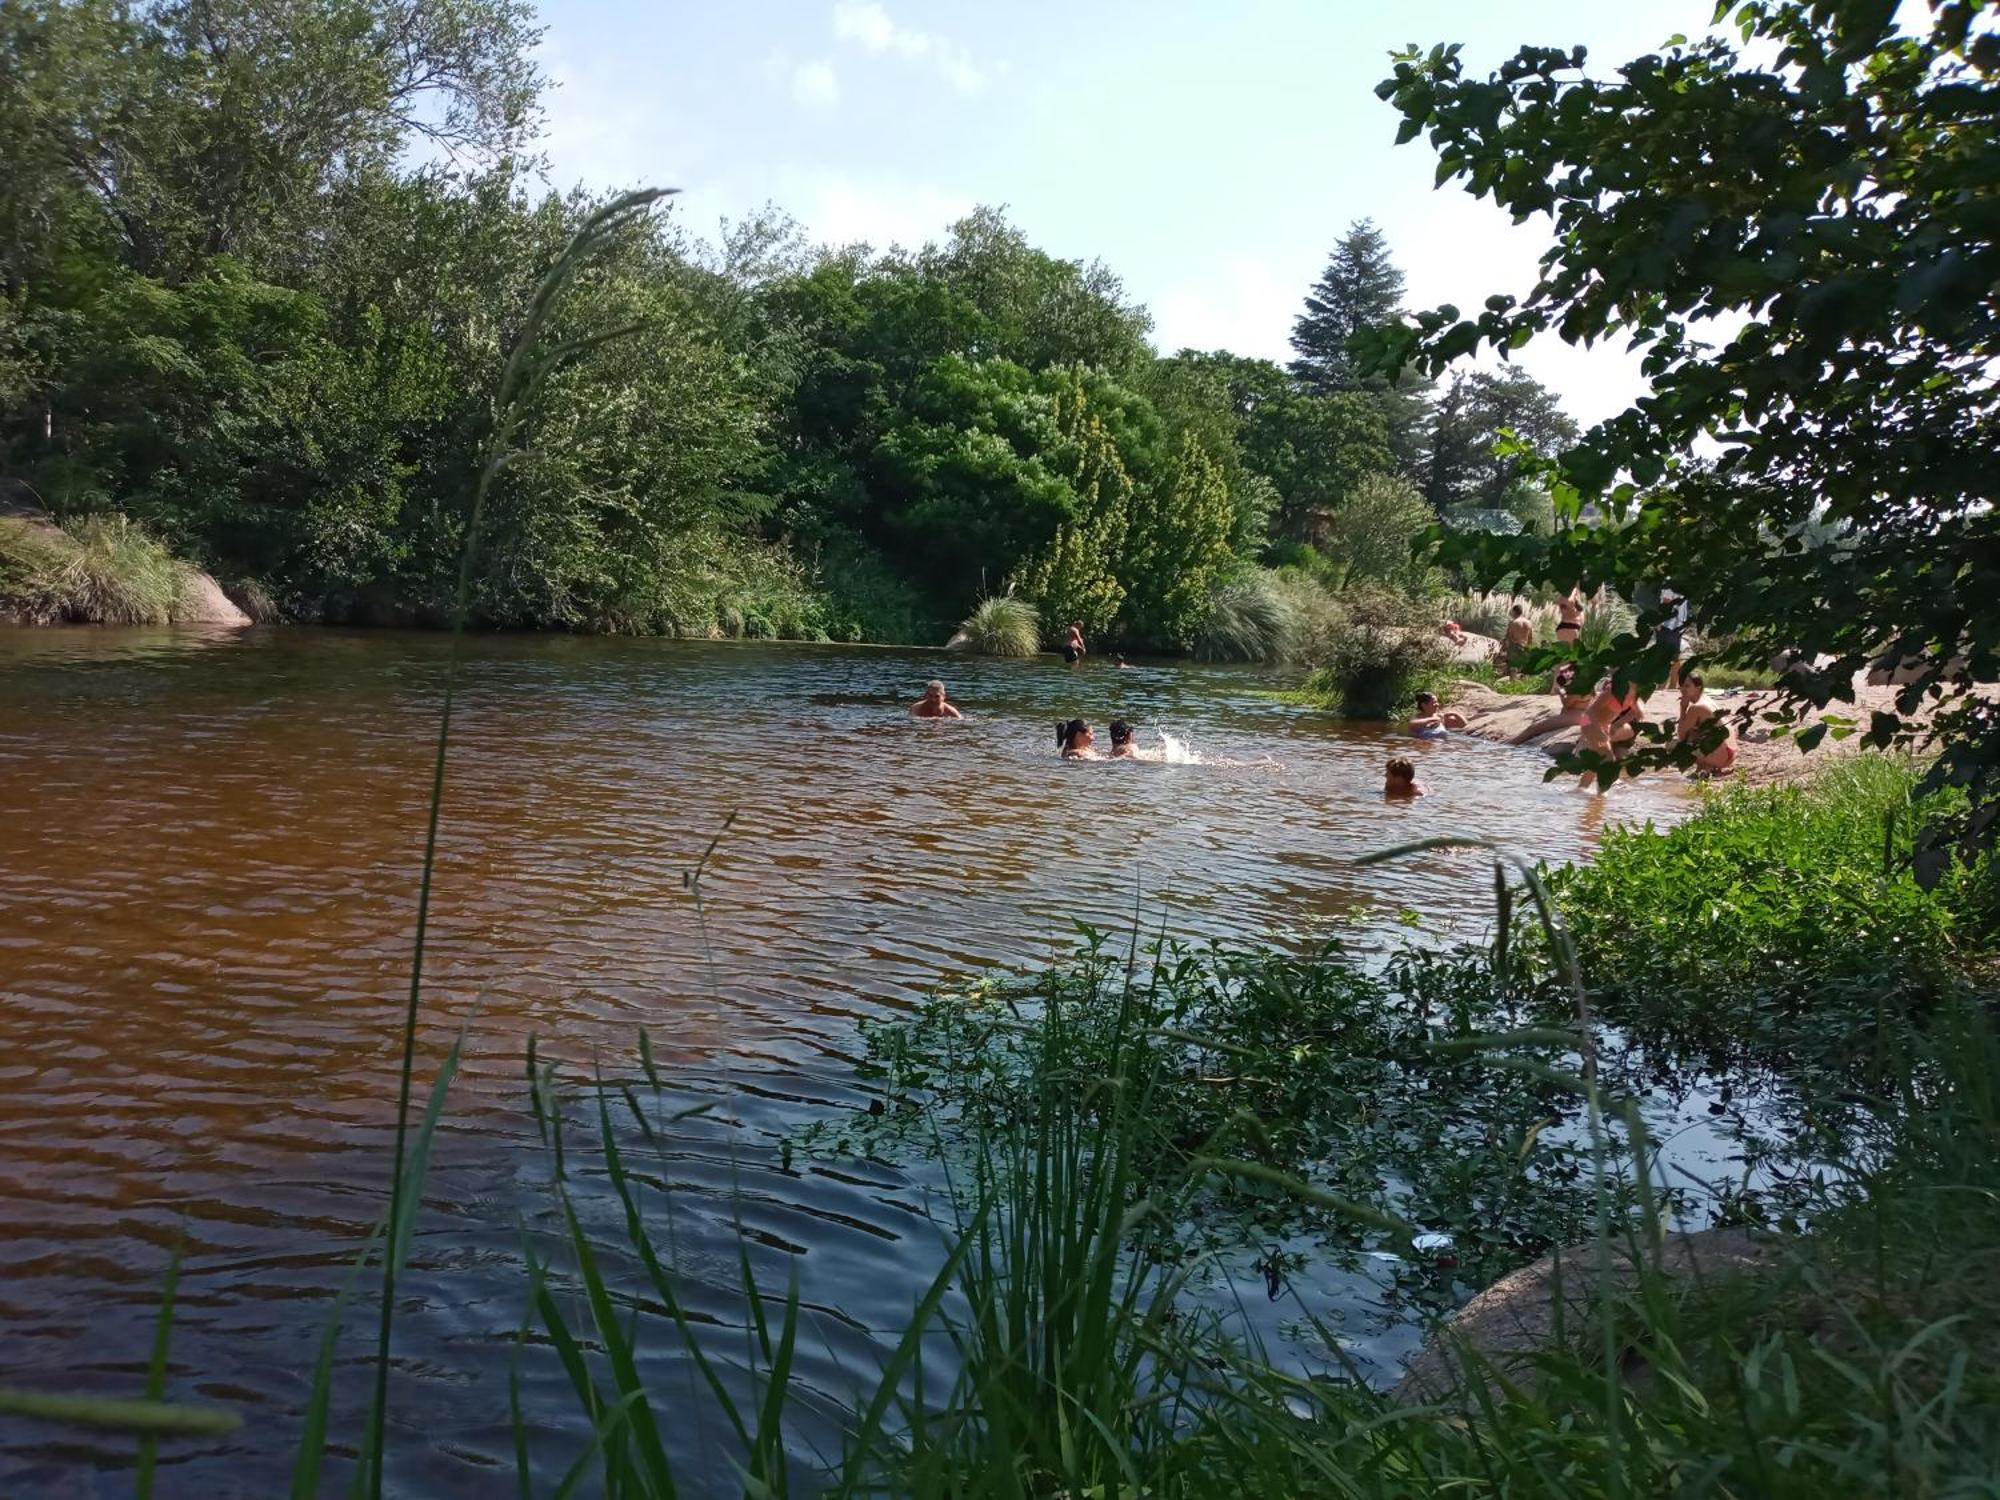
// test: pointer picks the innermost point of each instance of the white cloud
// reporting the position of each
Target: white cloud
(841, 209)
(867, 24)
(1246, 307)
(814, 85)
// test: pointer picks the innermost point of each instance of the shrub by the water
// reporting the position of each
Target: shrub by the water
(1376, 672)
(97, 570)
(1004, 626)
(1248, 619)
(1784, 919)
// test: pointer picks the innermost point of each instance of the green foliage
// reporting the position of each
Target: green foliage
(1817, 188)
(1476, 427)
(1248, 619)
(1073, 576)
(1381, 534)
(1312, 1068)
(1177, 548)
(1375, 671)
(1715, 935)
(99, 570)
(1005, 626)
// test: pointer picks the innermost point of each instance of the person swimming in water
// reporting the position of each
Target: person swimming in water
(933, 704)
(1697, 711)
(1432, 720)
(1572, 712)
(1124, 746)
(1401, 779)
(1074, 740)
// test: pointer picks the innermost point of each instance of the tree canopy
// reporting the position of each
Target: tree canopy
(1799, 228)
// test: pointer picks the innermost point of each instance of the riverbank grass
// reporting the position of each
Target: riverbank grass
(99, 570)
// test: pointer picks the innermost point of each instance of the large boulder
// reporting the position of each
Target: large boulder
(1519, 1316)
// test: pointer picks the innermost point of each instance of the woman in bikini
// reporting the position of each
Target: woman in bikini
(1608, 722)
(1696, 712)
(1569, 627)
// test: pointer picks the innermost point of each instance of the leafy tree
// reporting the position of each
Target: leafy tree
(1798, 233)
(1469, 464)
(1074, 576)
(1374, 534)
(1177, 547)
(1316, 450)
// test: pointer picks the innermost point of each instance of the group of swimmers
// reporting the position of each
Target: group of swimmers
(1074, 737)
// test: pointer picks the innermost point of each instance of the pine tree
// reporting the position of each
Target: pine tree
(1361, 288)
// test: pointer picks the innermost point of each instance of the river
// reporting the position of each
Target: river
(209, 851)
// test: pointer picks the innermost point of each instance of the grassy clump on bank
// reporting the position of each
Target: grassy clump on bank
(96, 570)
(1003, 626)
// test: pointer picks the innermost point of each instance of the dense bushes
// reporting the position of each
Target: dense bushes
(1784, 919)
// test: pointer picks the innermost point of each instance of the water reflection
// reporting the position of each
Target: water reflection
(208, 859)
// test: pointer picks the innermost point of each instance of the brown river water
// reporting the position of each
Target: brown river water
(209, 851)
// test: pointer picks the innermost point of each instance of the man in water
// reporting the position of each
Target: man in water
(1073, 647)
(933, 705)
(1432, 721)
(1401, 780)
(1123, 745)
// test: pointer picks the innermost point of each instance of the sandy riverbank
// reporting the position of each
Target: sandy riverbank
(1759, 757)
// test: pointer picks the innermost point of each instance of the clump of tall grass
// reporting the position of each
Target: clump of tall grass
(97, 570)
(1249, 619)
(1490, 614)
(1002, 626)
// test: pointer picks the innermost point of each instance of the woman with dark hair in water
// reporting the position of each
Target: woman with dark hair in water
(1123, 745)
(1074, 740)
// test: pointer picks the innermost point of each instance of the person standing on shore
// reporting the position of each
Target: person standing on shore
(1569, 624)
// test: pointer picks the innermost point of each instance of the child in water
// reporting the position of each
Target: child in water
(1074, 740)
(1401, 781)
(1123, 745)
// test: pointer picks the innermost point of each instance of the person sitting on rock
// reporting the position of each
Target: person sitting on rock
(1697, 711)
(1572, 712)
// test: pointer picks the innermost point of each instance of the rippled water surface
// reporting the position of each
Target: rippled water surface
(209, 853)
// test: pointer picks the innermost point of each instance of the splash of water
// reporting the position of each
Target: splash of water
(1174, 751)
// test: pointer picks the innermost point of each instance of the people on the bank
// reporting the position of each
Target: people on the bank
(1073, 648)
(934, 704)
(1610, 719)
(1401, 779)
(1124, 746)
(1696, 712)
(1569, 613)
(1668, 634)
(1454, 632)
(1432, 719)
(1572, 711)
(1520, 636)
(1074, 740)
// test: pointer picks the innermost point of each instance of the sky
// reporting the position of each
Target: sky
(1209, 153)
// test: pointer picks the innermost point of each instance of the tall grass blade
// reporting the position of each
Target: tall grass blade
(525, 369)
(161, 1418)
(156, 1372)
